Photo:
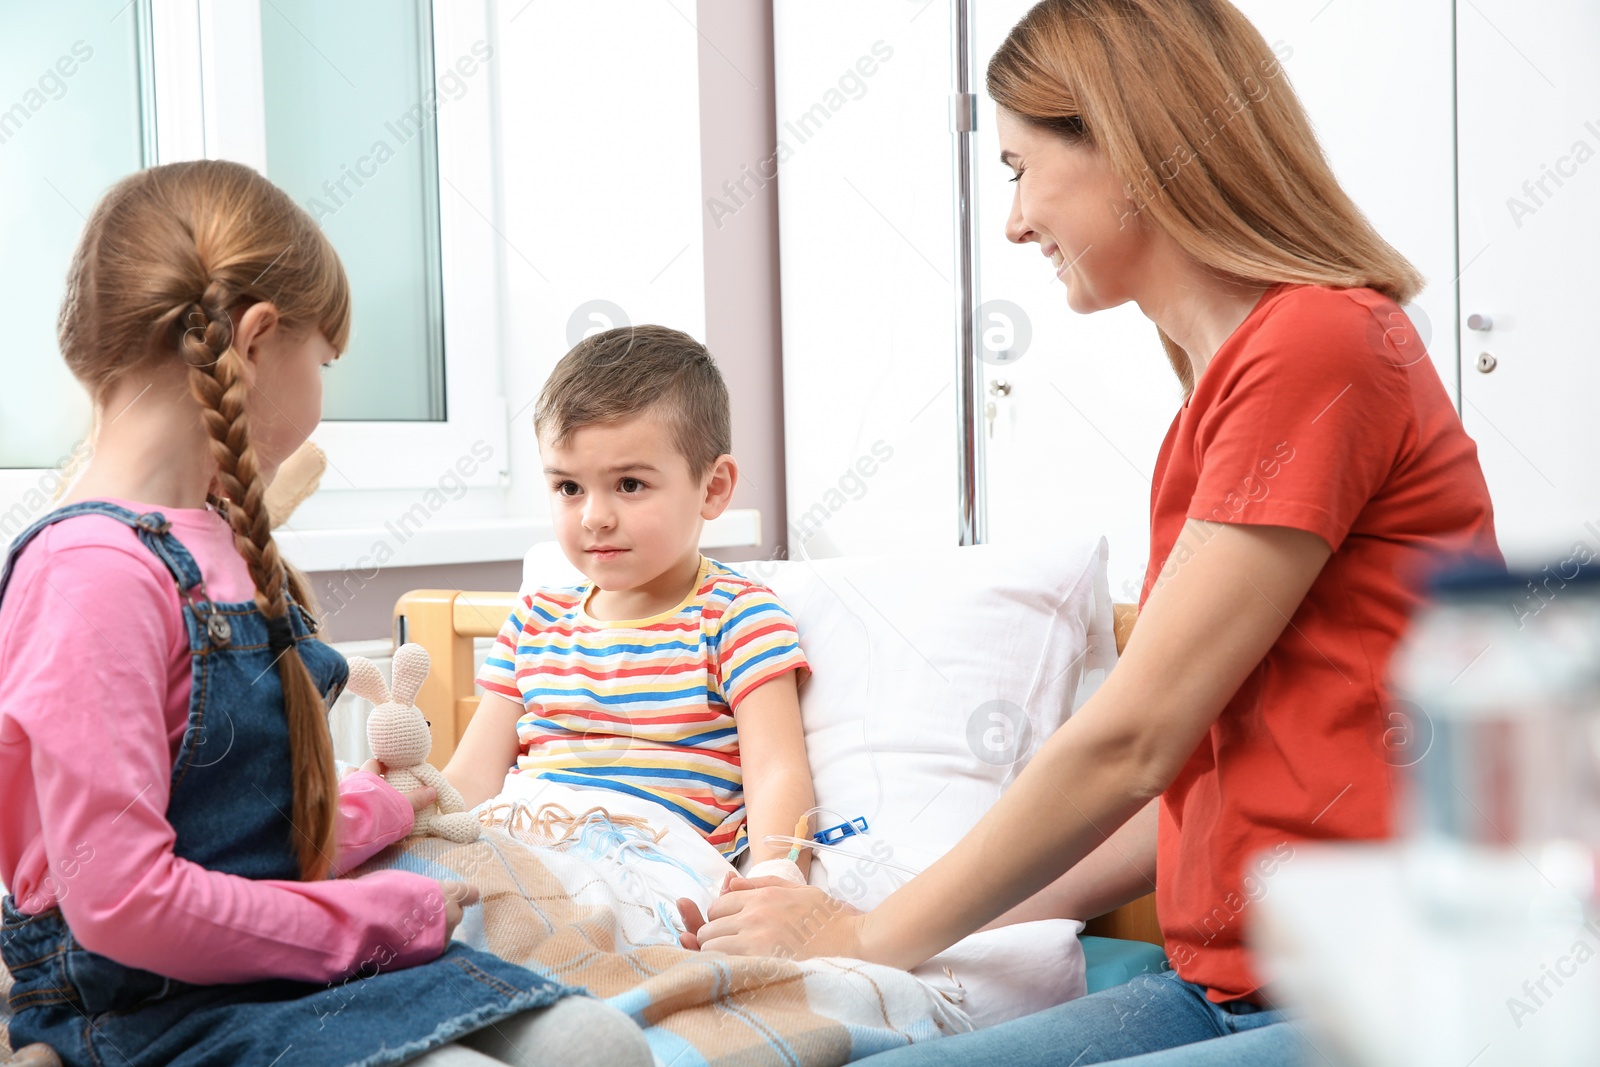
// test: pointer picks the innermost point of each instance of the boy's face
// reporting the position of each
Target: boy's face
(625, 509)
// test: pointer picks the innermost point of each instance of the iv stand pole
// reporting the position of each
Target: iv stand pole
(973, 520)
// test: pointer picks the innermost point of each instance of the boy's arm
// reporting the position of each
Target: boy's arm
(777, 775)
(486, 751)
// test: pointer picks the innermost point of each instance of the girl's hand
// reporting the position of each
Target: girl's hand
(458, 896)
(420, 797)
(772, 917)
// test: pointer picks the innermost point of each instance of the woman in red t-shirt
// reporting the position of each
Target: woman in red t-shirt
(1162, 157)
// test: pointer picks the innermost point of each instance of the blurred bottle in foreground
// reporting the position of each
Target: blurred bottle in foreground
(1503, 672)
(1501, 815)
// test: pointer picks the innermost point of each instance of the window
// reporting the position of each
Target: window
(73, 119)
(489, 182)
(350, 136)
(390, 127)
(277, 84)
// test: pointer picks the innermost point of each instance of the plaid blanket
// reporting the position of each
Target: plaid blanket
(592, 921)
(589, 921)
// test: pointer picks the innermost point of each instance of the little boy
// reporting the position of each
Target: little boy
(666, 676)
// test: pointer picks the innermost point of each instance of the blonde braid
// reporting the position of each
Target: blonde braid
(217, 384)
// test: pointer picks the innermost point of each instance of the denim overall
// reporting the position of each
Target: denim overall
(231, 790)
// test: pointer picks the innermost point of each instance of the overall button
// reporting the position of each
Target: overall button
(219, 629)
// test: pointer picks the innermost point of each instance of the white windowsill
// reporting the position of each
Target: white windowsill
(465, 541)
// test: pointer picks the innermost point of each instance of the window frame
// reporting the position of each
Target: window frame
(227, 119)
(378, 471)
(199, 115)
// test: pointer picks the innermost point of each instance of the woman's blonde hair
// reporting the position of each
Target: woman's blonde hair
(1194, 114)
(166, 259)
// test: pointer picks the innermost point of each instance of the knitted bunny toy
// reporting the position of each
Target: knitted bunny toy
(400, 740)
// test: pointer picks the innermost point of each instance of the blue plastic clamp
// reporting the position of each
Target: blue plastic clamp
(834, 834)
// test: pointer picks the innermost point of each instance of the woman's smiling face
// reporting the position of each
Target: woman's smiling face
(1069, 202)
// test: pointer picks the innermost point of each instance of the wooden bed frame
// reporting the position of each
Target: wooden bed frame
(447, 621)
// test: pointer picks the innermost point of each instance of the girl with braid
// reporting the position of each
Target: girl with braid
(172, 820)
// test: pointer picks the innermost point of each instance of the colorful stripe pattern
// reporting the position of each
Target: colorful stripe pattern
(645, 707)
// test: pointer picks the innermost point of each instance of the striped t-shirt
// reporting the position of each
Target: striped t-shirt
(645, 706)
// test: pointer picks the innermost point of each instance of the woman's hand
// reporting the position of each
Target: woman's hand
(458, 896)
(772, 917)
(420, 797)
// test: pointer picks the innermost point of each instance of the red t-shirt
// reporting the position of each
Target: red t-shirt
(1321, 412)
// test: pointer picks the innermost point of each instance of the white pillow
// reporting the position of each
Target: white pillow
(937, 674)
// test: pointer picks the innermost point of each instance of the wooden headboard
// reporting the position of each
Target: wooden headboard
(447, 621)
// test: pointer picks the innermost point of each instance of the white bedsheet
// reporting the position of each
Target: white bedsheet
(993, 976)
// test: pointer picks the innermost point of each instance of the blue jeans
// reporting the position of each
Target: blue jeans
(1155, 1020)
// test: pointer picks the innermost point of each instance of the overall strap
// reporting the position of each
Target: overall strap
(152, 527)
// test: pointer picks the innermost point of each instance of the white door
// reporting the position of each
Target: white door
(1529, 138)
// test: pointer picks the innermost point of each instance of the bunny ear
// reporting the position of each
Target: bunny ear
(366, 682)
(410, 671)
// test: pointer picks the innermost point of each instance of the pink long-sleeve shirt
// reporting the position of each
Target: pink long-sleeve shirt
(94, 700)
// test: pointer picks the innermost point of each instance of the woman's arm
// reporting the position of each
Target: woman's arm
(1120, 870)
(777, 776)
(1200, 634)
(486, 751)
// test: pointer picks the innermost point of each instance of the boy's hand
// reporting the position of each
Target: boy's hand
(760, 917)
(693, 920)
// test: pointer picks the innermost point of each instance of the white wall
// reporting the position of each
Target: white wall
(868, 313)
(599, 139)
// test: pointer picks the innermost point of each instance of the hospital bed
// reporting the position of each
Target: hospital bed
(448, 622)
(453, 625)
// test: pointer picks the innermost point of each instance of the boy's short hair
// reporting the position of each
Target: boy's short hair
(639, 370)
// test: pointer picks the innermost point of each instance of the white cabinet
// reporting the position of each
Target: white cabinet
(1528, 93)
